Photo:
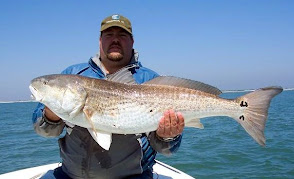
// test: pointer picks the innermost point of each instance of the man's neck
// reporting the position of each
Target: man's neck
(110, 68)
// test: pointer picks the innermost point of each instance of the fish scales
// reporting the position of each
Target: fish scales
(136, 104)
(112, 107)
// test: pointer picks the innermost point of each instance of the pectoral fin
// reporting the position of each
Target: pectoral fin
(194, 123)
(104, 139)
(74, 100)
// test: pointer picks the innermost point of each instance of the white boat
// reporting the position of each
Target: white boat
(160, 171)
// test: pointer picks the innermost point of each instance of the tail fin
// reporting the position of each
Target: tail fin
(256, 106)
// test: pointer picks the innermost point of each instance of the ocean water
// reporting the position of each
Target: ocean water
(221, 150)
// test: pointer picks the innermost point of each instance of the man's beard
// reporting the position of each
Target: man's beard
(114, 56)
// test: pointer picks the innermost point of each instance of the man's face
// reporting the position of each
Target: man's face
(116, 45)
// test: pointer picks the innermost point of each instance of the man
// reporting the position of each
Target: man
(130, 156)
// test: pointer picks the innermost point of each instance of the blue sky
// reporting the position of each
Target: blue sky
(237, 44)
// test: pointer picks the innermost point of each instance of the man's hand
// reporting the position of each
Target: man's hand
(170, 125)
(50, 115)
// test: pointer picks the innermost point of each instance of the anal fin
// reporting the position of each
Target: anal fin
(104, 139)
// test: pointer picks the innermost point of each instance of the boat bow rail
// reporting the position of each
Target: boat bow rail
(160, 171)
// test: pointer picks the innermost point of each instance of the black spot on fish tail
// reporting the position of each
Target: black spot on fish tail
(242, 118)
(244, 104)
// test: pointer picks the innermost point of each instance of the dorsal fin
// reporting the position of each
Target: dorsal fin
(124, 75)
(184, 83)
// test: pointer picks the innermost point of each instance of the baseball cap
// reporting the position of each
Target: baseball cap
(118, 21)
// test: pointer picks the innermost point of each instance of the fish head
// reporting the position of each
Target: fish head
(48, 89)
(61, 93)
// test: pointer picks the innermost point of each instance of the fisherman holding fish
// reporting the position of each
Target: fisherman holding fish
(131, 155)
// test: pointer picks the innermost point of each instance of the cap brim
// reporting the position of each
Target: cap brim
(113, 24)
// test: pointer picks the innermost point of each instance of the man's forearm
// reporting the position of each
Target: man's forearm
(44, 126)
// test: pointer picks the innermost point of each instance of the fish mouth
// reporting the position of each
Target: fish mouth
(35, 95)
